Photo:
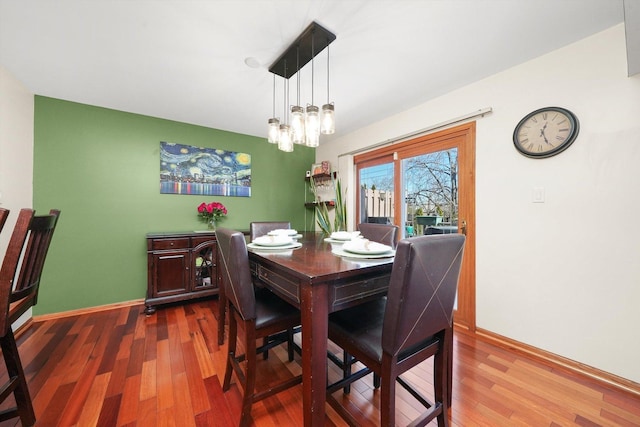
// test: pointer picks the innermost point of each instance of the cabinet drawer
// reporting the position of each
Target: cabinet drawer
(195, 241)
(161, 244)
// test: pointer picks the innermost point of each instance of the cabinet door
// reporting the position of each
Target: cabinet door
(205, 266)
(171, 272)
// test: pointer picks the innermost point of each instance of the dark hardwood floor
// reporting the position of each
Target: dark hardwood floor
(122, 368)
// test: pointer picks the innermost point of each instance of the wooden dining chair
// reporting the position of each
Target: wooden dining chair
(386, 234)
(19, 284)
(414, 323)
(260, 313)
(261, 228)
(256, 229)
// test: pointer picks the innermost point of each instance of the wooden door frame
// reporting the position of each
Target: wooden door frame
(463, 138)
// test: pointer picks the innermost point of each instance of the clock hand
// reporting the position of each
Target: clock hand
(542, 133)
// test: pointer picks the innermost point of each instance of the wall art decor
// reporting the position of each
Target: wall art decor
(185, 169)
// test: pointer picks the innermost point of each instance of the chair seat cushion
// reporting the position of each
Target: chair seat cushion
(360, 327)
(271, 309)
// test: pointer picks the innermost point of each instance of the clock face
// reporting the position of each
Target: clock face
(545, 132)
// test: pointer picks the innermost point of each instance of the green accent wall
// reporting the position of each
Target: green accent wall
(101, 168)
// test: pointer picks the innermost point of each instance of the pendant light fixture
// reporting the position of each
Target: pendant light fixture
(274, 123)
(328, 125)
(297, 112)
(305, 123)
(312, 118)
(284, 143)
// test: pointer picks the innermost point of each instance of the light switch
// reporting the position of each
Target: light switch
(538, 195)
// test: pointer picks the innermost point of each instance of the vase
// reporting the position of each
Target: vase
(211, 224)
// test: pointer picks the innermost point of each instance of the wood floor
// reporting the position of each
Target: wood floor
(122, 368)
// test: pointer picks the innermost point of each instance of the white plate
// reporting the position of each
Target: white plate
(341, 235)
(343, 253)
(282, 231)
(293, 245)
(330, 240)
(278, 240)
(366, 247)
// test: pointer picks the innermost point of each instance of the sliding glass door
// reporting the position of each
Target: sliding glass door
(430, 187)
(376, 196)
(426, 186)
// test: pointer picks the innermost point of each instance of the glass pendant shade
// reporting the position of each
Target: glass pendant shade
(328, 124)
(274, 131)
(297, 125)
(285, 143)
(312, 126)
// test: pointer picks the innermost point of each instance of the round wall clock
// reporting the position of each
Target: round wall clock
(546, 132)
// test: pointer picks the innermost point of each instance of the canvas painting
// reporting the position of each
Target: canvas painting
(185, 169)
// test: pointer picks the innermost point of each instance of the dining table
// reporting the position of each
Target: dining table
(319, 279)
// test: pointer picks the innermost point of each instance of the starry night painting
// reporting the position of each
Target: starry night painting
(204, 171)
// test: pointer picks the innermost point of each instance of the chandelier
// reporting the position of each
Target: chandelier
(301, 125)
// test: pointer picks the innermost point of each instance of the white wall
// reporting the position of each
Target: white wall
(16, 152)
(563, 275)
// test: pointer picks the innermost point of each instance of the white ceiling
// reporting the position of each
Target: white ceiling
(185, 60)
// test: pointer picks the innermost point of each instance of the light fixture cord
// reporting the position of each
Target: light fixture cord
(298, 68)
(274, 95)
(328, 71)
(313, 54)
(284, 86)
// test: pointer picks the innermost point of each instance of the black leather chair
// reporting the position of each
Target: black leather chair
(260, 228)
(262, 313)
(19, 284)
(256, 229)
(382, 233)
(415, 322)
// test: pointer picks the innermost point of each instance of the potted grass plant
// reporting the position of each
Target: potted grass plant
(323, 216)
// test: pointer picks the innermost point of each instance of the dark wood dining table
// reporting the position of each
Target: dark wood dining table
(318, 282)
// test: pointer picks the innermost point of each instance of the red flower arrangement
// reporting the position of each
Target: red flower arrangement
(211, 211)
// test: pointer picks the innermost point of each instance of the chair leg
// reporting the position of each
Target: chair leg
(16, 373)
(231, 351)
(222, 310)
(347, 361)
(265, 354)
(448, 342)
(250, 377)
(441, 381)
(290, 345)
(387, 396)
(376, 380)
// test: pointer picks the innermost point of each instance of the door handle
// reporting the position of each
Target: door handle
(463, 228)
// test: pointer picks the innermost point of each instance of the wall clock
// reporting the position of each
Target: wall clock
(546, 132)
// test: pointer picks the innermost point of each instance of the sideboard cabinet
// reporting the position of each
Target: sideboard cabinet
(180, 267)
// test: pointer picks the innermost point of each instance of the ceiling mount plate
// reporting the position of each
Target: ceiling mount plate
(288, 63)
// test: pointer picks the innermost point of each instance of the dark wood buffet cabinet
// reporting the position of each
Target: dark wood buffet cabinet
(180, 267)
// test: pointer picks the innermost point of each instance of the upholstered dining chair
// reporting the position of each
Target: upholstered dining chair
(19, 284)
(414, 323)
(256, 229)
(261, 313)
(386, 234)
(260, 228)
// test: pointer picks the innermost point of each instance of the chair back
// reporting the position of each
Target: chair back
(23, 264)
(4, 213)
(386, 234)
(422, 290)
(260, 228)
(236, 275)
